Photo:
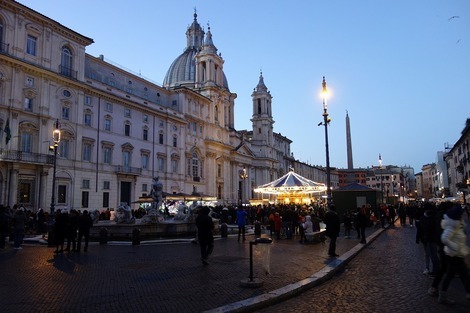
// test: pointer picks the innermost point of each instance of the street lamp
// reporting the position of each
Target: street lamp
(326, 121)
(56, 139)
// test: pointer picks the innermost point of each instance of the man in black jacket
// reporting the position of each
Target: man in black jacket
(332, 223)
(205, 225)
(85, 222)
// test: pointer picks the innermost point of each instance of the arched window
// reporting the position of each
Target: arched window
(66, 62)
(195, 165)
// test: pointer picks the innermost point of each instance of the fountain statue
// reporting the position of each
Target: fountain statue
(123, 214)
(153, 214)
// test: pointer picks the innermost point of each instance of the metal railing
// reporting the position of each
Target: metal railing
(25, 157)
(121, 169)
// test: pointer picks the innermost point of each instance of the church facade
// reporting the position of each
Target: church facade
(119, 130)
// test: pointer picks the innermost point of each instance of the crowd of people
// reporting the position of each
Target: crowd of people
(68, 228)
(441, 232)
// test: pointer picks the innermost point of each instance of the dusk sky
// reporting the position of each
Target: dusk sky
(400, 68)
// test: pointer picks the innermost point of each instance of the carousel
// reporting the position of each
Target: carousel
(291, 188)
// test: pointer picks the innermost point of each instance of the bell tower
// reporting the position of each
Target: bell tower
(262, 118)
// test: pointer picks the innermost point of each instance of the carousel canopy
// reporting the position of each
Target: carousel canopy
(291, 183)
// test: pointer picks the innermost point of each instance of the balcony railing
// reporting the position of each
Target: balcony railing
(67, 71)
(128, 170)
(25, 157)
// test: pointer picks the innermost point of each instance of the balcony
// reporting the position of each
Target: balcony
(128, 170)
(25, 157)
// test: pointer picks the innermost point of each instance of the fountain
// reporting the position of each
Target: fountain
(152, 225)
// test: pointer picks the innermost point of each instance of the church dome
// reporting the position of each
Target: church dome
(182, 71)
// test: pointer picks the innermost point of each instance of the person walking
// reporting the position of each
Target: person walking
(84, 224)
(205, 225)
(72, 230)
(333, 228)
(4, 226)
(347, 225)
(277, 225)
(455, 247)
(60, 229)
(441, 210)
(241, 222)
(426, 233)
(19, 223)
(362, 222)
(41, 218)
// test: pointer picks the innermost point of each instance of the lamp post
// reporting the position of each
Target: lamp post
(56, 139)
(326, 121)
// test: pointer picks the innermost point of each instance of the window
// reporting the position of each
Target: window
(127, 130)
(26, 142)
(86, 184)
(145, 135)
(85, 195)
(145, 161)
(87, 152)
(109, 107)
(126, 158)
(62, 194)
(65, 113)
(160, 164)
(144, 187)
(146, 118)
(106, 185)
(127, 112)
(31, 45)
(87, 118)
(28, 104)
(175, 141)
(174, 166)
(105, 199)
(64, 148)
(107, 153)
(160, 138)
(107, 124)
(195, 165)
(219, 170)
(66, 62)
(66, 93)
(88, 100)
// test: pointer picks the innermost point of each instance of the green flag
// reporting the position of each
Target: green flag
(7, 131)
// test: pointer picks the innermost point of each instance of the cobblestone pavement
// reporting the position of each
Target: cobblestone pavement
(151, 277)
(169, 277)
(385, 277)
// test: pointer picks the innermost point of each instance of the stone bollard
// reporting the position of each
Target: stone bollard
(103, 236)
(136, 236)
(257, 229)
(223, 230)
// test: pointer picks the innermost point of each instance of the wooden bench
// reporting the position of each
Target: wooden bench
(318, 236)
